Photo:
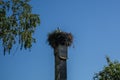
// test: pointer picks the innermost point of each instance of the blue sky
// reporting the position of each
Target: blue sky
(95, 25)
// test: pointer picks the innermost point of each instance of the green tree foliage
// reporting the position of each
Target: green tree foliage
(17, 24)
(110, 72)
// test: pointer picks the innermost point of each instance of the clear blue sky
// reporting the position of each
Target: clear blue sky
(95, 25)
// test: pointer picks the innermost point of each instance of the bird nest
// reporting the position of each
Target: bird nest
(58, 37)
